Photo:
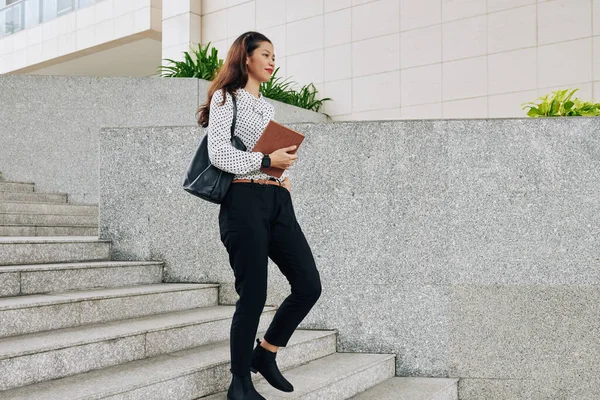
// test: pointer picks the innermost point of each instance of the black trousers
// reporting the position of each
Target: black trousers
(258, 222)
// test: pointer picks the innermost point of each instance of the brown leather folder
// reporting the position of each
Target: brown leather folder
(275, 137)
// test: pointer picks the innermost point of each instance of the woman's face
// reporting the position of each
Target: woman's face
(261, 63)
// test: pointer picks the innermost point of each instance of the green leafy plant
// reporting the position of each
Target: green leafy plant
(561, 104)
(276, 88)
(281, 90)
(205, 67)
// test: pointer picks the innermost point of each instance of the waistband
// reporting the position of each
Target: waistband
(270, 181)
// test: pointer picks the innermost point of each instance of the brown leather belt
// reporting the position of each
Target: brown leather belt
(259, 181)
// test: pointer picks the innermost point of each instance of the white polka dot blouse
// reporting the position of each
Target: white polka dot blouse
(253, 115)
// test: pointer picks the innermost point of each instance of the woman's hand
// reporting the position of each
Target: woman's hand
(281, 159)
(287, 184)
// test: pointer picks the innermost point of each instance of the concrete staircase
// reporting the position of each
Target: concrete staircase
(25, 212)
(76, 325)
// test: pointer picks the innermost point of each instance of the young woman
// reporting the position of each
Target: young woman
(256, 218)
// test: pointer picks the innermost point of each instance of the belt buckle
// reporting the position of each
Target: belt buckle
(275, 180)
(265, 181)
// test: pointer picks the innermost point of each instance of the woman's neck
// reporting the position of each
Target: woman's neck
(252, 87)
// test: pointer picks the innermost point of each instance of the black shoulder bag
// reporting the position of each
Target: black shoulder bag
(203, 179)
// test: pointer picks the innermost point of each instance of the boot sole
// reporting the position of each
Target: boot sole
(253, 370)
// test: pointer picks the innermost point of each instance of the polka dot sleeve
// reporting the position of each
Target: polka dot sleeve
(220, 151)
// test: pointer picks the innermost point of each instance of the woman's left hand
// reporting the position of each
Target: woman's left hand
(287, 184)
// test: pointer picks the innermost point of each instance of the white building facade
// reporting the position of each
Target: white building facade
(378, 59)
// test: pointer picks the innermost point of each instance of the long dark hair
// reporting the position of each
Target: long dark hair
(234, 72)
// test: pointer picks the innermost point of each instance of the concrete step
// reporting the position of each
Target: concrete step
(16, 186)
(72, 351)
(412, 388)
(185, 374)
(49, 230)
(337, 376)
(48, 208)
(45, 278)
(52, 249)
(48, 220)
(43, 312)
(36, 197)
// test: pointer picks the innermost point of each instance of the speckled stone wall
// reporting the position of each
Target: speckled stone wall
(49, 125)
(470, 248)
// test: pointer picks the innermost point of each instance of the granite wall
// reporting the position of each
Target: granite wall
(470, 248)
(49, 125)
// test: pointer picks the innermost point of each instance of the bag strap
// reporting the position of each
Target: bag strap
(234, 116)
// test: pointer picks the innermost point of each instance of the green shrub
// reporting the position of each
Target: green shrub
(281, 90)
(560, 104)
(206, 67)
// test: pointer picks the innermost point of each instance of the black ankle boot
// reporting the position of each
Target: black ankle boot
(263, 361)
(241, 388)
